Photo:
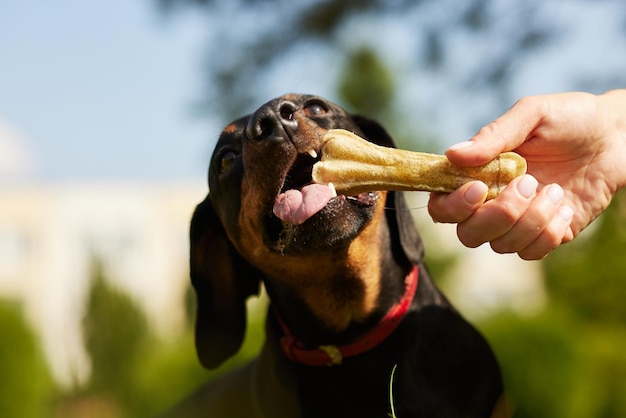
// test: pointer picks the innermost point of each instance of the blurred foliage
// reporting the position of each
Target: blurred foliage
(237, 60)
(26, 387)
(540, 365)
(565, 361)
(590, 272)
(367, 85)
(116, 336)
(133, 373)
(568, 360)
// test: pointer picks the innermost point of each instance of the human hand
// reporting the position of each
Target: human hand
(575, 147)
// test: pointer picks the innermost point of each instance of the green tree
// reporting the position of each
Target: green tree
(134, 374)
(588, 276)
(568, 360)
(116, 336)
(590, 273)
(366, 84)
(250, 38)
(26, 388)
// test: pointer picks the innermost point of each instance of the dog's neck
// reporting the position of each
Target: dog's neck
(332, 354)
(345, 292)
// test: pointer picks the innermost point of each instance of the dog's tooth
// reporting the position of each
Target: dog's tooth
(312, 153)
(332, 187)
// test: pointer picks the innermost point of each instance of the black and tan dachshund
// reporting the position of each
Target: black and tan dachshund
(351, 299)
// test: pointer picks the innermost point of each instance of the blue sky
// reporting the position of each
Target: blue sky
(103, 89)
(106, 90)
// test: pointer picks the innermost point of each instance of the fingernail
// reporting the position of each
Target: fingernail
(476, 193)
(566, 213)
(527, 186)
(461, 145)
(555, 193)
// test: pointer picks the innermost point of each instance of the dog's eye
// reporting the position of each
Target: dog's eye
(315, 109)
(227, 160)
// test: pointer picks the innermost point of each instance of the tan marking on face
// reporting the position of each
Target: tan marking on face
(338, 286)
(250, 243)
(230, 128)
(358, 299)
(366, 257)
(291, 97)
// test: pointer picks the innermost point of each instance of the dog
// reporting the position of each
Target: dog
(356, 327)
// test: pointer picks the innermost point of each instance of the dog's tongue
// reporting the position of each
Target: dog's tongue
(296, 206)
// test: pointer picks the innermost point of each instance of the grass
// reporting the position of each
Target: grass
(393, 372)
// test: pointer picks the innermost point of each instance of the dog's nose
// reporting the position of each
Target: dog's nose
(272, 120)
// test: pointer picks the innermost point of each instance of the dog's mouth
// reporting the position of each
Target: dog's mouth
(300, 199)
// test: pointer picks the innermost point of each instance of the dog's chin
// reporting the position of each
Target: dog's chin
(333, 227)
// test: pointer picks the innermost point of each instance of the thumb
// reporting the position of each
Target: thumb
(506, 133)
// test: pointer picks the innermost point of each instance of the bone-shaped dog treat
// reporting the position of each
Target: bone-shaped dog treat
(355, 165)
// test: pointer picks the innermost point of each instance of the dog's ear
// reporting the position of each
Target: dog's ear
(373, 131)
(407, 234)
(222, 280)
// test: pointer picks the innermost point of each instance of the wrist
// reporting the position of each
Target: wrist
(615, 101)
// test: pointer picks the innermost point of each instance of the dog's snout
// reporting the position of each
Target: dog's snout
(272, 120)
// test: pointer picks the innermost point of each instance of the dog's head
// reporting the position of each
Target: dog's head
(262, 165)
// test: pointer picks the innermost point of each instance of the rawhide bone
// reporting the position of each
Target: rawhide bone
(355, 165)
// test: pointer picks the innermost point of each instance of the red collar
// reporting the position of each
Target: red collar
(331, 355)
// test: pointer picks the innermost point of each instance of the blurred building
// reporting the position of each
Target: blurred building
(50, 236)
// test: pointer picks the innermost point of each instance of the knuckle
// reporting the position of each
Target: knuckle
(502, 247)
(443, 211)
(510, 212)
(523, 101)
(489, 129)
(468, 237)
(541, 247)
(435, 210)
(551, 237)
(526, 102)
(531, 255)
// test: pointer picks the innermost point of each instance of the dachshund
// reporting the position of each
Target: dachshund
(355, 327)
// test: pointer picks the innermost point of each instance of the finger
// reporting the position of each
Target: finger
(496, 217)
(458, 205)
(554, 235)
(506, 133)
(540, 213)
